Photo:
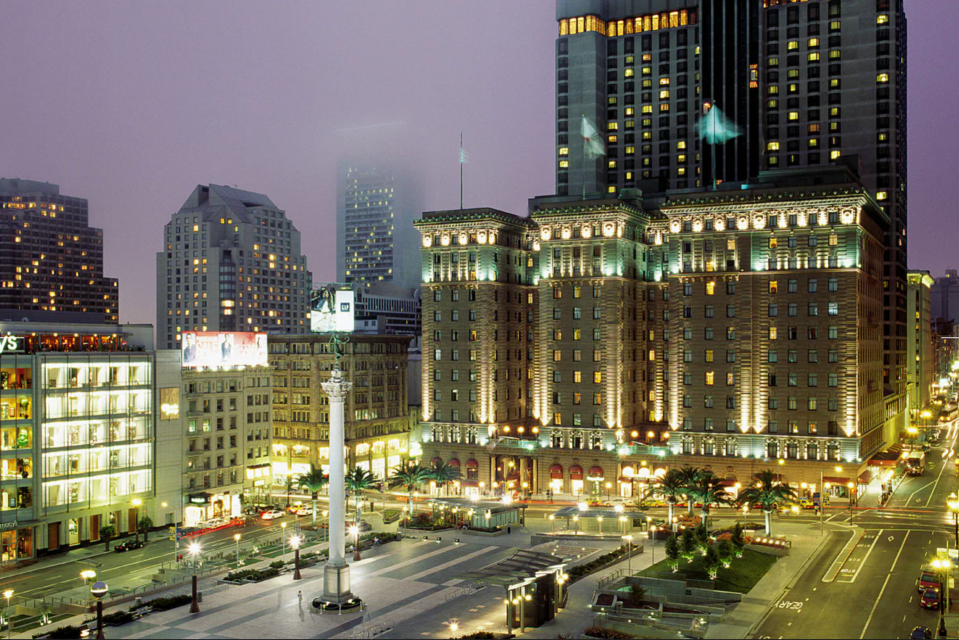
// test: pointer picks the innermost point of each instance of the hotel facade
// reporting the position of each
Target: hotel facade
(598, 342)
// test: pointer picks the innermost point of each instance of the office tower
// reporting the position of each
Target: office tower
(804, 82)
(945, 296)
(603, 340)
(378, 421)
(376, 204)
(920, 358)
(76, 433)
(51, 260)
(231, 262)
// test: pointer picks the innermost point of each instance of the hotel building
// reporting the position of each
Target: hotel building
(597, 342)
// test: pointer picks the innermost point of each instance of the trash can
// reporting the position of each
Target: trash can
(199, 596)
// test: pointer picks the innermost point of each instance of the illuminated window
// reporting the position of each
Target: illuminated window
(773, 90)
(612, 126)
(834, 154)
(882, 195)
(882, 78)
(773, 334)
(664, 94)
(772, 146)
(613, 139)
(815, 57)
(792, 46)
(564, 164)
(793, 116)
(629, 73)
(564, 151)
(710, 288)
(813, 43)
(710, 378)
(882, 19)
(773, 286)
(835, 54)
(597, 377)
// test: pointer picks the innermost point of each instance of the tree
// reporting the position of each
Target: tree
(712, 562)
(725, 550)
(671, 486)
(312, 482)
(702, 537)
(688, 475)
(107, 532)
(145, 524)
(767, 492)
(443, 474)
(409, 475)
(706, 490)
(636, 595)
(687, 544)
(357, 481)
(738, 540)
(290, 483)
(673, 552)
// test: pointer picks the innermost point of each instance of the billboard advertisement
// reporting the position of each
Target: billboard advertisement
(170, 403)
(212, 349)
(333, 311)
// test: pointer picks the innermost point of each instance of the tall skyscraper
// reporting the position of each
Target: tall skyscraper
(51, 260)
(803, 83)
(376, 204)
(231, 262)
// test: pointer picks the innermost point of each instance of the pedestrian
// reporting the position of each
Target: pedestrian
(376, 541)
(507, 529)
(299, 597)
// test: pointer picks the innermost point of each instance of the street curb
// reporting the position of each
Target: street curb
(789, 585)
(844, 554)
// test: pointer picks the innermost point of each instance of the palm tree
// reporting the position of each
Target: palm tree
(409, 475)
(767, 493)
(312, 482)
(671, 486)
(357, 481)
(706, 490)
(443, 474)
(688, 475)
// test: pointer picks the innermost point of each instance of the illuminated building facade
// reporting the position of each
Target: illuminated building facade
(231, 262)
(805, 82)
(376, 203)
(76, 433)
(378, 419)
(51, 259)
(920, 358)
(598, 341)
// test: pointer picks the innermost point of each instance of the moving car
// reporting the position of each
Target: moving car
(300, 511)
(929, 599)
(272, 515)
(920, 633)
(928, 580)
(807, 503)
(129, 545)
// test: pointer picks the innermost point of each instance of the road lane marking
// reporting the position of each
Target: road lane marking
(944, 465)
(840, 560)
(874, 607)
(862, 562)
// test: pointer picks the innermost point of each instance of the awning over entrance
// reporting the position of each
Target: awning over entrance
(834, 480)
(436, 461)
(472, 464)
(596, 472)
(454, 462)
(556, 472)
(576, 472)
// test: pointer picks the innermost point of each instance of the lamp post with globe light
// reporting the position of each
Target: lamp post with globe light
(953, 503)
(236, 539)
(942, 566)
(6, 612)
(99, 590)
(295, 543)
(194, 551)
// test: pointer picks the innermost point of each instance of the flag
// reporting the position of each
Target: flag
(464, 157)
(592, 141)
(715, 128)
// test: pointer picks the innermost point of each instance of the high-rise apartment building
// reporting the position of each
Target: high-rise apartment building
(805, 83)
(376, 204)
(51, 259)
(601, 340)
(231, 262)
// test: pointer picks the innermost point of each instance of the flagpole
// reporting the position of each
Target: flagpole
(582, 127)
(461, 170)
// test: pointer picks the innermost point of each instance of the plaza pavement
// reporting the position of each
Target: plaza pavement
(412, 589)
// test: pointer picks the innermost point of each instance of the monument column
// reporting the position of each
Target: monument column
(336, 580)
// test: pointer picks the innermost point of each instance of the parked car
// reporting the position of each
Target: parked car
(928, 580)
(920, 633)
(272, 515)
(129, 545)
(929, 599)
(301, 511)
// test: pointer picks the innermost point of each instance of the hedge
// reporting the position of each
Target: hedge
(601, 632)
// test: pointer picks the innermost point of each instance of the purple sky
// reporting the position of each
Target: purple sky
(132, 104)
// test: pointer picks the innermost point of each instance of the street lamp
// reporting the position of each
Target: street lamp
(953, 503)
(943, 566)
(99, 590)
(609, 485)
(623, 519)
(89, 574)
(454, 627)
(236, 539)
(136, 519)
(194, 551)
(283, 533)
(629, 554)
(295, 543)
(9, 594)
(822, 498)
(355, 532)
(552, 523)
(599, 519)
(851, 486)
(576, 520)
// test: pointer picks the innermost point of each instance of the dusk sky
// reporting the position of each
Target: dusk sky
(132, 104)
